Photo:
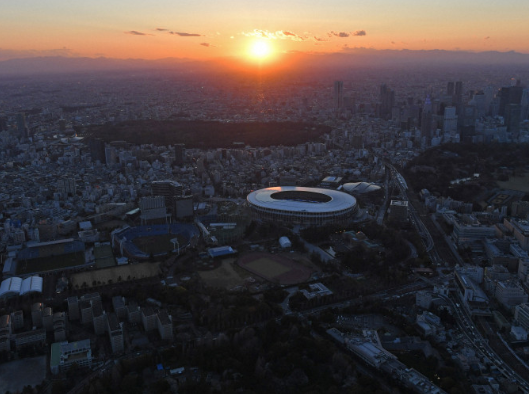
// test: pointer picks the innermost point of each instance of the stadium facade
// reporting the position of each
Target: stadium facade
(302, 205)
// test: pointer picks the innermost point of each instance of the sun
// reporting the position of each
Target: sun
(260, 50)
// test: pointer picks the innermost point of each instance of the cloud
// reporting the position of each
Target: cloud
(341, 34)
(487, 38)
(161, 29)
(260, 34)
(207, 44)
(278, 35)
(135, 33)
(284, 35)
(344, 34)
(185, 34)
(319, 39)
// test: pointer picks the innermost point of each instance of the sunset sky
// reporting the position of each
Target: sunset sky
(204, 29)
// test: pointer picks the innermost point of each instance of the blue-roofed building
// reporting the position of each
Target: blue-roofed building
(221, 251)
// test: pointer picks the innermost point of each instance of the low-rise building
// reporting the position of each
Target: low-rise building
(64, 355)
(73, 308)
(5, 333)
(521, 315)
(99, 319)
(148, 318)
(520, 229)
(165, 325)
(115, 333)
(17, 320)
(47, 318)
(36, 314)
(59, 326)
(120, 309)
(29, 338)
(133, 314)
(510, 293)
(468, 229)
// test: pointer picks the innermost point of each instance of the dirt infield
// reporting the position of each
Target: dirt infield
(276, 268)
(224, 276)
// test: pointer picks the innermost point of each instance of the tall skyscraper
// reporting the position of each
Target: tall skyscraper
(525, 104)
(179, 154)
(387, 101)
(509, 95)
(458, 92)
(170, 190)
(450, 120)
(338, 95)
(450, 89)
(426, 120)
(3, 122)
(512, 118)
(21, 125)
(97, 150)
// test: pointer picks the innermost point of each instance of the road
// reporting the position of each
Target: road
(440, 251)
(481, 346)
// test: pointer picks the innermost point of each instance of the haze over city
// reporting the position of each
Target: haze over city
(229, 29)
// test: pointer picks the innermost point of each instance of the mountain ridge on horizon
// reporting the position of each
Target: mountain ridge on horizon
(357, 56)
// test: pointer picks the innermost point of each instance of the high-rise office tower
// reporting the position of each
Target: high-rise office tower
(450, 89)
(170, 190)
(509, 95)
(338, 95)
(458, 91)
(450, 120)
(525, 104)
(21, 125)
(97, 150)
(479, 101)
(3, 122)
(512, 118)
(179, 154)
(387, 101)
(426, 120)
(111, 156)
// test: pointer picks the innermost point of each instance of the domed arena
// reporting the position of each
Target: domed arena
(360, 187)
(302, 205)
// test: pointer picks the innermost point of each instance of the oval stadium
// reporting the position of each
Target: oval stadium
(302, 205)
(157, 240)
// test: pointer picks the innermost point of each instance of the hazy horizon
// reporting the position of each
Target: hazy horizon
(303, 62)
(208, 30)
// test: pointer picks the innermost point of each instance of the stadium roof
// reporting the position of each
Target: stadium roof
(360, 187)
(334, 200)
(16, 286)
(10, 287)
(33, 284)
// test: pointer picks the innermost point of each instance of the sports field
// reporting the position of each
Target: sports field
(225, 276)
(121, 273)
(157, 244)
(520, 183)
(276, 268)
(41, 264)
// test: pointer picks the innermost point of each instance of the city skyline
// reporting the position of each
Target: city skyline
(207, 30)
